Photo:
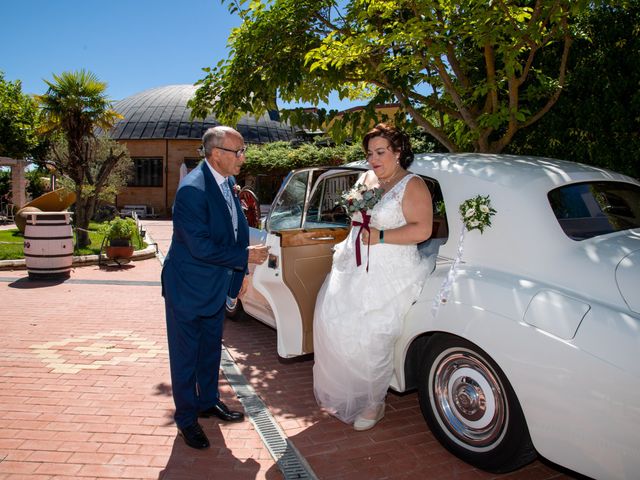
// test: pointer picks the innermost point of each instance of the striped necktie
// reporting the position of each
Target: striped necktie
(226, 193)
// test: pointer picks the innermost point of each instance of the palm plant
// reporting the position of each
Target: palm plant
(74, 105)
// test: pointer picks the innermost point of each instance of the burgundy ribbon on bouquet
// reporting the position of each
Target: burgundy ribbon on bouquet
(364, 224)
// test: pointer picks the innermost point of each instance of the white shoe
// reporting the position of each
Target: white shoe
(361, 423)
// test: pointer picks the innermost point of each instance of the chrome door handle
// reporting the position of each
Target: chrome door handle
(323, 238)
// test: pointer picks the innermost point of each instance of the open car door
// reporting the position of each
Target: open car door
(302, 227)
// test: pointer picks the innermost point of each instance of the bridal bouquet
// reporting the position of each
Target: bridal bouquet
(360, 199)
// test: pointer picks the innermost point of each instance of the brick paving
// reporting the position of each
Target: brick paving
(85, 393)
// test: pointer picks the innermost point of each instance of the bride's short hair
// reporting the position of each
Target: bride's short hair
(398, 140)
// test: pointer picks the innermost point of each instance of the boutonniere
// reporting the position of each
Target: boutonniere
(236, 189)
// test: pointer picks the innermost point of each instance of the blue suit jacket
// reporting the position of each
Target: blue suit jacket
(205, 262)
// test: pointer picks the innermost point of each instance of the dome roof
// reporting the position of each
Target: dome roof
(162, 113)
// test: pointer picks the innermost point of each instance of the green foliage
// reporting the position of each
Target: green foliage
(107, 170)
(278, 158)
(119, 228)
(461, 70)
(597, 119)
(281, 157)
(37, 178)
(74, 105)
(11, 244)
(18, 121)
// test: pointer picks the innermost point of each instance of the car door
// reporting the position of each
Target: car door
(301, 229)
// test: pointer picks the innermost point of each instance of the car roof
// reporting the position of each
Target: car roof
(510, 170)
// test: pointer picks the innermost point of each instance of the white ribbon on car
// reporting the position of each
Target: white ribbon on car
(443, 295)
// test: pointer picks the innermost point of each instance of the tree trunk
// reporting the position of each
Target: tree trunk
(81, 220)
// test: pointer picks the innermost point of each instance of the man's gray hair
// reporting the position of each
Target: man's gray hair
(214, 137)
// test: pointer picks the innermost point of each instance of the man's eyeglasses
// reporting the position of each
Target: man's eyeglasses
(238, 152)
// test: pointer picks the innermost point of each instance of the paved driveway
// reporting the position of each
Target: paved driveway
(85, 393)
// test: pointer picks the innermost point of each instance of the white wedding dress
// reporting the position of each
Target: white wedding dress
(358, 314)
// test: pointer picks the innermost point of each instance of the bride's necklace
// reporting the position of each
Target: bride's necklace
(387, 181)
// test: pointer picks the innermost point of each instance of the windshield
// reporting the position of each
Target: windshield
(586, 210)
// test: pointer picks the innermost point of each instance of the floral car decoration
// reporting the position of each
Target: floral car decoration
(476, 213)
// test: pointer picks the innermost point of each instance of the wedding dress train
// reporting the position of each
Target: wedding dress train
(358, 315)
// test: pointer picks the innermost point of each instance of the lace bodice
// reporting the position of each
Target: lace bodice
(386, 214)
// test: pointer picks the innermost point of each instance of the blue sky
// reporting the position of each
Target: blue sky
(132, 45)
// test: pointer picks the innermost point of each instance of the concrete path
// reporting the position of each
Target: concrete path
(85, 393)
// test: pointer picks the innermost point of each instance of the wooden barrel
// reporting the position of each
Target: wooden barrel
(48, 245)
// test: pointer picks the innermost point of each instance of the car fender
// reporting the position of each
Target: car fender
(569, 392)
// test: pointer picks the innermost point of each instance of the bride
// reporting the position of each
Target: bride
(359, 313)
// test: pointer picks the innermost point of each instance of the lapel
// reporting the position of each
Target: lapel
(216, 200)
(243, 226)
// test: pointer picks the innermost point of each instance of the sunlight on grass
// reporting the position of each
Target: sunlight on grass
(12, 243)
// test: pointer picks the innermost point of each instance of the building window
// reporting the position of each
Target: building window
(147, 172)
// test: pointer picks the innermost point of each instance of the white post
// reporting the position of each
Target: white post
(19, 183)
(18, 180)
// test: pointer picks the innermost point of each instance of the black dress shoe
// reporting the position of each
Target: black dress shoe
(194, 436)
(221, 411)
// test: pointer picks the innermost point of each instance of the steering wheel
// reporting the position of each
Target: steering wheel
(250, 206)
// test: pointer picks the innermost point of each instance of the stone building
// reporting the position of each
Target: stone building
(164, 142)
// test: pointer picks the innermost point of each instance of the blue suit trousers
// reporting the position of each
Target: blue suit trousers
(194, 371)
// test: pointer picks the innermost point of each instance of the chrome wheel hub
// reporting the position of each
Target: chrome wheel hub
(468, 398)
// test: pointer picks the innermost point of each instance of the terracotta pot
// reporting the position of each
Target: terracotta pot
(119, 252)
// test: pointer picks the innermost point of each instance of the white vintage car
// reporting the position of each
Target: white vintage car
(537, 349)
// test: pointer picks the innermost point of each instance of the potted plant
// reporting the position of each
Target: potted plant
(118, 234)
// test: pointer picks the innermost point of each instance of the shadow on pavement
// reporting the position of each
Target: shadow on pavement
(216, 462)
(401, 446)
(27, 283)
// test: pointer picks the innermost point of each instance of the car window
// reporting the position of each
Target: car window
(286, 212)
(323, 211)
(586, 210)
(440, 225)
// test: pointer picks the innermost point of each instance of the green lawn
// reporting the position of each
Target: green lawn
(11, 243)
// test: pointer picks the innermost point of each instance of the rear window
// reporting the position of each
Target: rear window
(586, 210)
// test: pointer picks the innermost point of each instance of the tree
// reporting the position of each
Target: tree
(597, 119)
(109, 168)
(462, 70)
(37, 181)
(18, 121)
(74, 105)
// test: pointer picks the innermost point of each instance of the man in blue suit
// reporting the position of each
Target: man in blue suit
(207, 262)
